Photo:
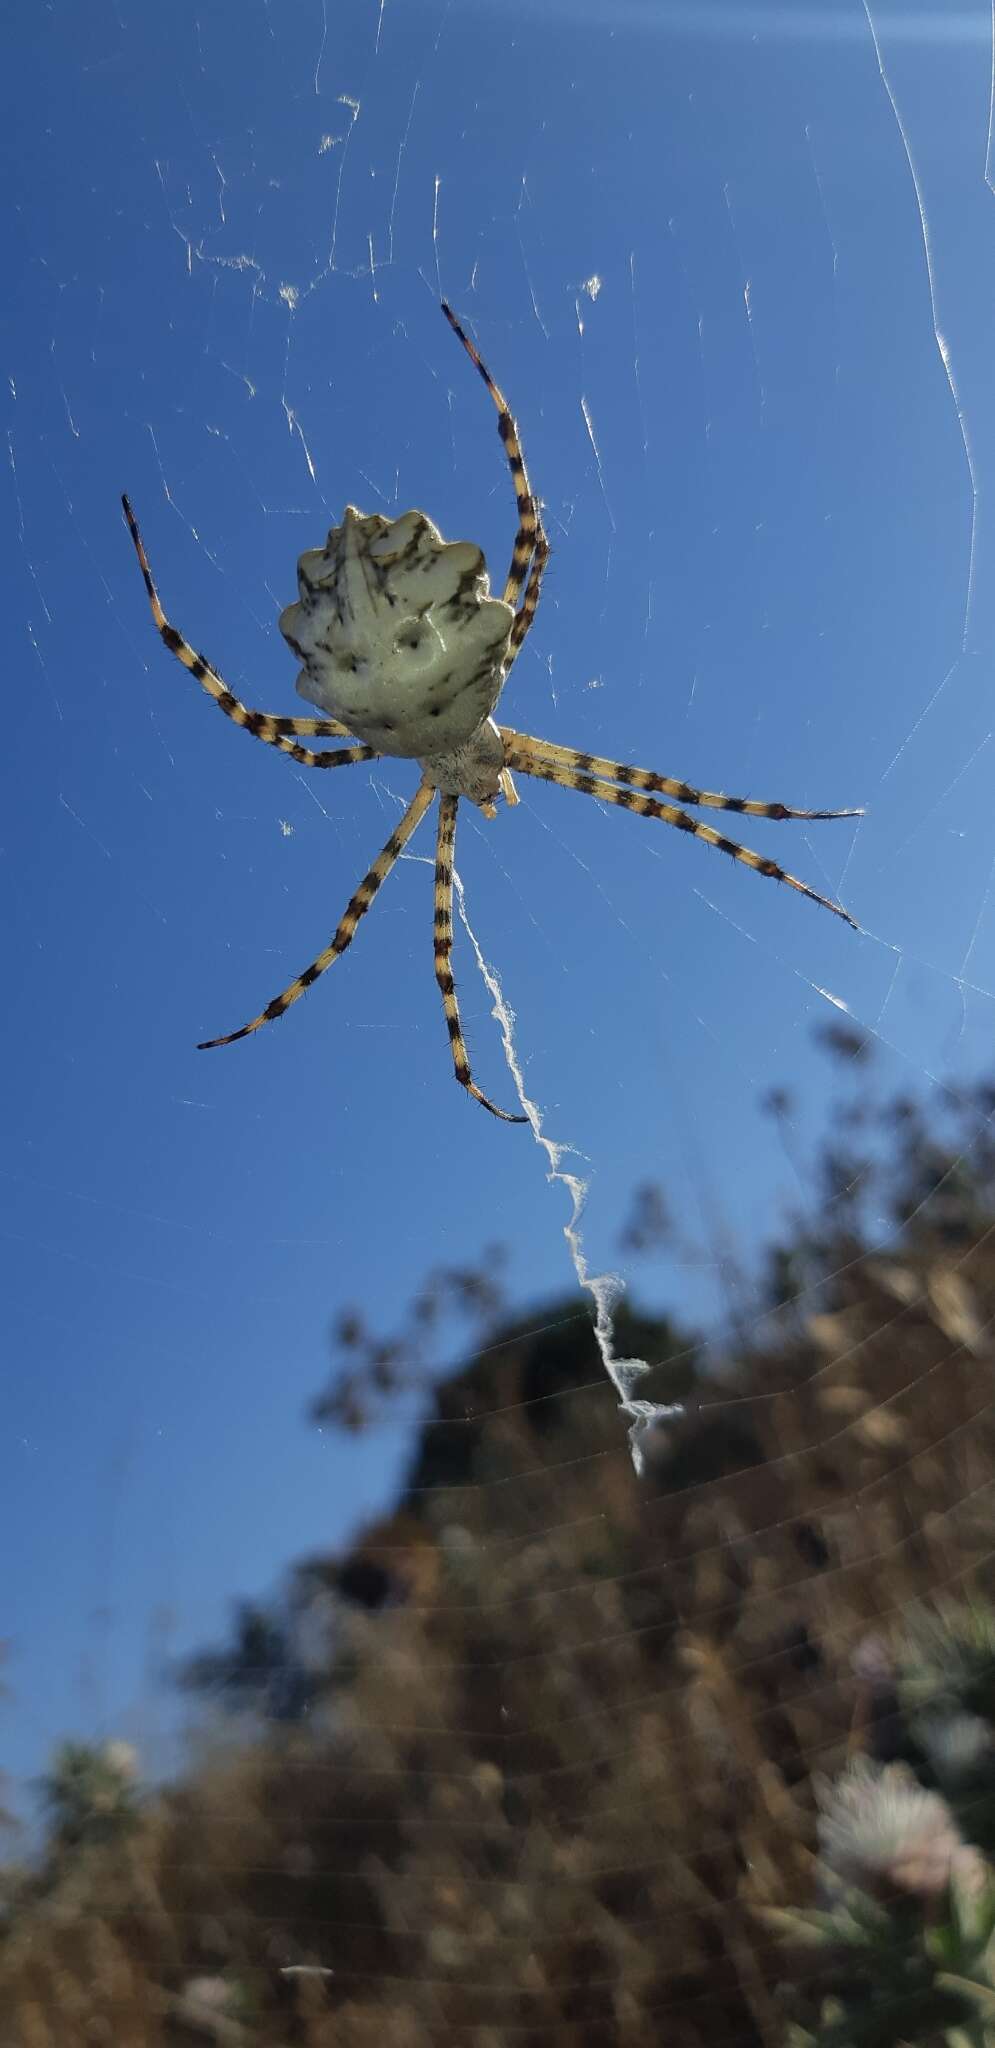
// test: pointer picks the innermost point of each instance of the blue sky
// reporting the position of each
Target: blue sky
(691, 246)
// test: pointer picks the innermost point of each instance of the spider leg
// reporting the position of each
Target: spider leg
(356, 908)
(531, 542)
(520, 755)
(644, 778)
(530, 603)
(445, 841)
(276, 732)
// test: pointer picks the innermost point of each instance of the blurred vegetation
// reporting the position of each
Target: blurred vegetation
(554, 1754)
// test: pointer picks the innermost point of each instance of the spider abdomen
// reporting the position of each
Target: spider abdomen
(398, 633)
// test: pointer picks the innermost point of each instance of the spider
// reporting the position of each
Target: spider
(406, 651)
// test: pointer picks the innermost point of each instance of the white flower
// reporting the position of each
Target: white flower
(881, 1832)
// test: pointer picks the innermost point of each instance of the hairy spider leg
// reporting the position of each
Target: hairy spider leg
(444, 846)
(645, 778)
(355, 909)
(275, 732)
(520, 755)
(531, 542)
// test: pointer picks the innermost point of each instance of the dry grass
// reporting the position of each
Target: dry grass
(564, 1751)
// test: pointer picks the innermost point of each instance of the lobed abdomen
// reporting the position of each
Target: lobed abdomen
(398, 634)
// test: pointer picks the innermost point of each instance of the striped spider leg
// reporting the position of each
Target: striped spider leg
(531, 550)
(356, 908)
(531, 544)
(444, 846)
(594, 775)
(276, 732)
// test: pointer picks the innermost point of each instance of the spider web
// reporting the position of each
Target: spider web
(733, 267)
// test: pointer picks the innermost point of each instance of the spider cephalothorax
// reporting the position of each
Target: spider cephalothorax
(405, 650)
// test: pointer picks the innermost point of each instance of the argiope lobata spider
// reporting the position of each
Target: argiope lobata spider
(405, 649)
